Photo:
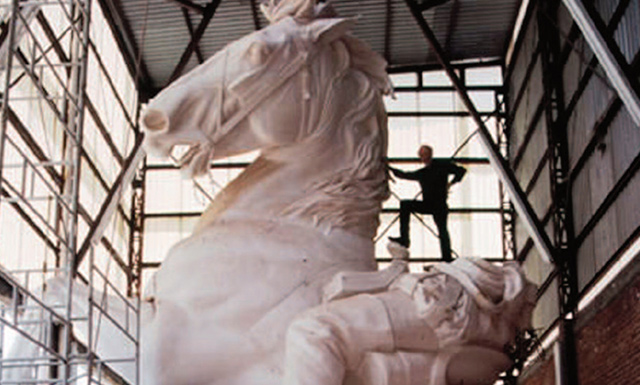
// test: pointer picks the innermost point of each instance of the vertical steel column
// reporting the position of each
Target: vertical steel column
(562, 215)
(521, 204)
(136, 239)
(506, 208)
(80, 55)
(136, 242)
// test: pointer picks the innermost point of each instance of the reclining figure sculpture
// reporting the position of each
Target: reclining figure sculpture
(240, 301)
(449, 325)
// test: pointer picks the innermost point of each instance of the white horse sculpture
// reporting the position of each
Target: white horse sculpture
(309, 96)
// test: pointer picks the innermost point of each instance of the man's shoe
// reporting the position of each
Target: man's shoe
(400, 240)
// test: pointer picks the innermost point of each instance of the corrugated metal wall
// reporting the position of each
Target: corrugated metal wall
(603, 144)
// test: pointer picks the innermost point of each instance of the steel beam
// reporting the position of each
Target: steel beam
(526, 139)
(4, 32)
(453, 23)
(556, 119)
(136, 232)
(521, 204)
(254, 14)
(104, 132)
(387, 31)
(395, 69)
(465, 160)
(427, 88)
(389, 210)
(523, 85)
(187, 21)
(593, 63)
(507, 217)
(225, 165)
(189, 6)
(537, 171)
(422, 260)
(4, 108)
(435, 114)
(606, 50)
(208, 14)
(455, 210)
(111, 201)
(622, 183)
(51, 36)
(112, 86)
(428, 4)
(112, 11)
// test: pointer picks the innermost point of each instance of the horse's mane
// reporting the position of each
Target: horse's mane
(351, 198)
(344, 119)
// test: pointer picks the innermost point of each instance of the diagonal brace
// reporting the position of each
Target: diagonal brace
(187, 21)
(111, 201)
(190, 6)
(606, 50)
(209, 12)
(255, 16)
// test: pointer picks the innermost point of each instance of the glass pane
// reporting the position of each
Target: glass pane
(435, 78)
(483, 76)
(162, 233)
(404, 80)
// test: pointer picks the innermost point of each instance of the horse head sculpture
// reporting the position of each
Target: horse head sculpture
(308, 96)
(294, 90)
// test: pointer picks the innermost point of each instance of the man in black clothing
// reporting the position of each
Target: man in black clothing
(434, 181)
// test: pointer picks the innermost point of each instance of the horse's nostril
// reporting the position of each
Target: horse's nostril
(155, 120)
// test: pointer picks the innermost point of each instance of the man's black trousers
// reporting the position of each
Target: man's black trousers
(439, 212)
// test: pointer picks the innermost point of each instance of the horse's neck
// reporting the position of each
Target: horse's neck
(313, 187)
(334, 177)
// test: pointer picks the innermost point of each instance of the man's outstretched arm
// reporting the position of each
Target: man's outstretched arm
(410, 175)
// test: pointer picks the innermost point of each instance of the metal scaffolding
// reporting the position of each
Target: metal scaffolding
(53, 313)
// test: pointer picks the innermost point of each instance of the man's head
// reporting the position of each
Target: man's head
(426, 154)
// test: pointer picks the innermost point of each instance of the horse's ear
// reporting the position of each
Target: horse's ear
(327, 30)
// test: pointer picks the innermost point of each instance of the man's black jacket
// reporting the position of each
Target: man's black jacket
(434, 179)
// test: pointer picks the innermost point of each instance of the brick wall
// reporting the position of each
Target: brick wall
(608, 345)
(607, 338)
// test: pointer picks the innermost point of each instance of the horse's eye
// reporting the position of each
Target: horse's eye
(258, 53)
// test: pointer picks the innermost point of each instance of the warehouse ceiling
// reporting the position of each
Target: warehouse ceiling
(173, 36)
